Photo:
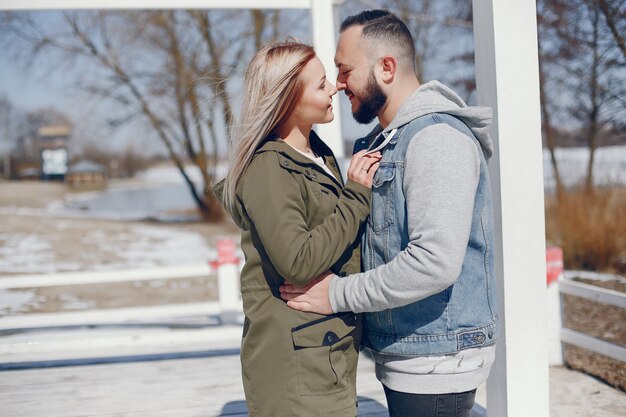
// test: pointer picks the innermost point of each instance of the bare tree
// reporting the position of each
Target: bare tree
(593, 65)
(459, 26)
(7, 114)
(170, 69)
(549, 18)
(581, 69)
(614, 13)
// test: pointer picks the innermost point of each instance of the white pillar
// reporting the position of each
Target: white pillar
(324, 41)
(507, 76)
(554, 322)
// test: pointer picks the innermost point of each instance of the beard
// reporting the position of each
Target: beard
(374, 98)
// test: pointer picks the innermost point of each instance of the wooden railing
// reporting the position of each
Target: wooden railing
(116, 315)
(34, 340)
(599, 295)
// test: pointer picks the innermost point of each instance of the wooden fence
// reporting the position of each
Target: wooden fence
(600, 295)
(133, 333)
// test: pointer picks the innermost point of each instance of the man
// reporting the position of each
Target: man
(429, 288)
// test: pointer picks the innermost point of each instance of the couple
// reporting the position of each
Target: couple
(415, 214)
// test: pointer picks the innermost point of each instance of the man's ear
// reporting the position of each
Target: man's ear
(389, 66)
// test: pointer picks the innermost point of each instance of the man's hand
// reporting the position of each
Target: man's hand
(312, 298)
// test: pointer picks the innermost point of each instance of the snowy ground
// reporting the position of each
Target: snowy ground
(38, 237)
(609, 166)
(133, 246)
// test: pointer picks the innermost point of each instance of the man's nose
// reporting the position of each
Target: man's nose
(340, 85)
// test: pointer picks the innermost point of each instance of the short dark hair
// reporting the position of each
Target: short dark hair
(384, 26)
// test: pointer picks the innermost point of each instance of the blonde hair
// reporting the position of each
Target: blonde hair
(272, 90)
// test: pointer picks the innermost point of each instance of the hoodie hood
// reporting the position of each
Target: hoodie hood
(434, 97)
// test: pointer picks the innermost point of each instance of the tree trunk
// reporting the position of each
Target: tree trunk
(547, 125)
(595, 105)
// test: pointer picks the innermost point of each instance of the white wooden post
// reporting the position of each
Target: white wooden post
(554, 269)
(227, 266)
(507, 76)
(324, 40)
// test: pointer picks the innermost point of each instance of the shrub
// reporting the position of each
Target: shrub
(590, 226)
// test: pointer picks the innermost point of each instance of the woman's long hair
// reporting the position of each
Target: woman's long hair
(272, 90)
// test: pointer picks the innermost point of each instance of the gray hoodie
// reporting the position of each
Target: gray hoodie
(434, 97)
(440, 181)
(441, 176)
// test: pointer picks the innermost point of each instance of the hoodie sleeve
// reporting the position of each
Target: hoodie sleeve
(440, 181)
(274, 203)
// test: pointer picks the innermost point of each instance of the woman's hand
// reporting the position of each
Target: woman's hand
(363, 167)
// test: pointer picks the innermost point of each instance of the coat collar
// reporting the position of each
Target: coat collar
(293, 160)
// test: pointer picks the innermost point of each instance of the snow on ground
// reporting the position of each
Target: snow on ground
(609, 166)
(137, 246)
(25, 253)
(15, 301)
(160, 246)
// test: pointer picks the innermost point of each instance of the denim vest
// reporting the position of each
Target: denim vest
(463, 315)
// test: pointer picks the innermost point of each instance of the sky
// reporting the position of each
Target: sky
(32, 88)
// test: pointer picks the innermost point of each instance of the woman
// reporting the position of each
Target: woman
(285, 191)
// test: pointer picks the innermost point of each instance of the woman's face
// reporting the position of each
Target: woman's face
(315, 105)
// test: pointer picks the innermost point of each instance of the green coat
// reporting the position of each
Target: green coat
(296, 223)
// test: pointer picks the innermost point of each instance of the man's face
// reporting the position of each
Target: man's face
(356, 76)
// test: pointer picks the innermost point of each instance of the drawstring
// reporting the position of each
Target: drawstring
(385, 142)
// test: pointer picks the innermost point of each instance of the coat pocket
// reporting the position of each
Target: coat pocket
(381, 216)
(325, 355)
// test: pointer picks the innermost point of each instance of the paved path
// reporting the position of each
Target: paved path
(211, 386)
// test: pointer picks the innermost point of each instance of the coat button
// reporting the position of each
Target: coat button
(330, 338)
(285, 162)
(490, 334)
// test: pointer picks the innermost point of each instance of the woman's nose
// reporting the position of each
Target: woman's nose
(333, 89)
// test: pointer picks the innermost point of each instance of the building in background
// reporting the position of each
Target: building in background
(85, 173)
(52, 148)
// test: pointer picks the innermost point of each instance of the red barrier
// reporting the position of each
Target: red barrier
(225, 253)
(554, 263)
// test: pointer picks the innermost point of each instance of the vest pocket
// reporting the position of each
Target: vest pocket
(382, 197)
(325, 355)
